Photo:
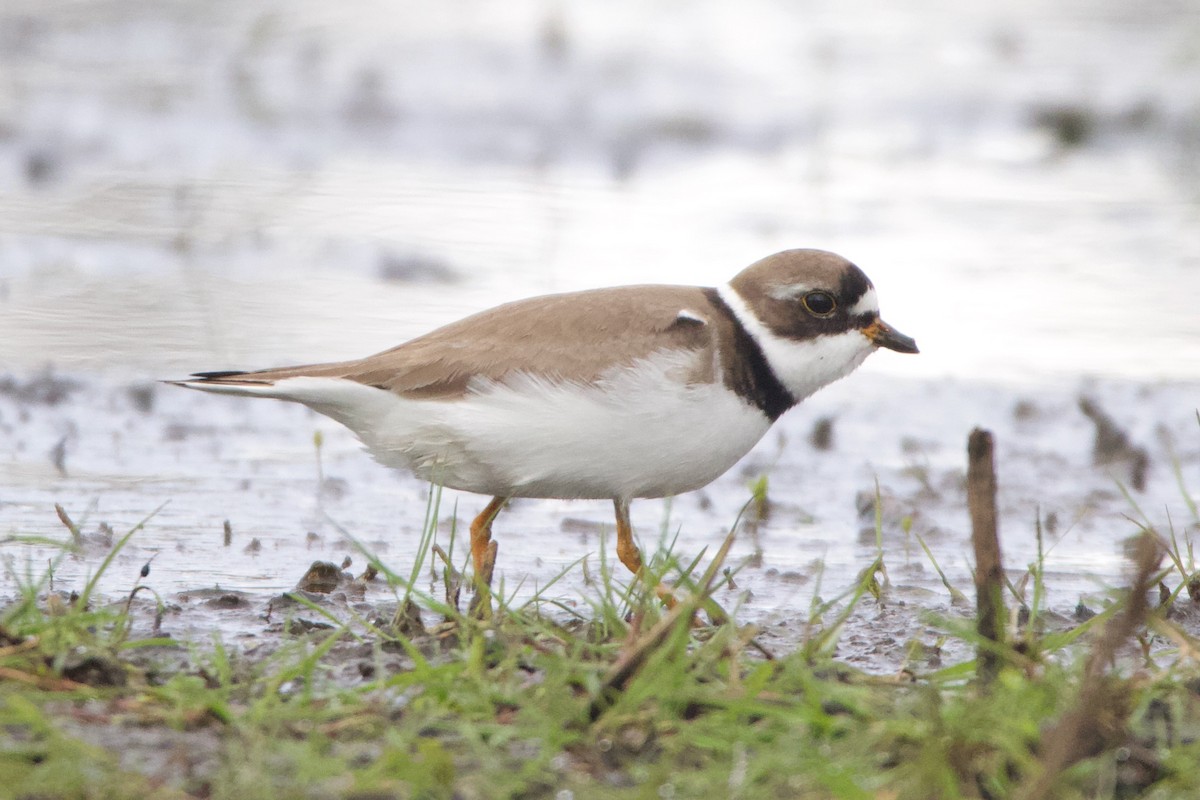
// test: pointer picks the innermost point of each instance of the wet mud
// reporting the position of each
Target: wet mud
(241, 503)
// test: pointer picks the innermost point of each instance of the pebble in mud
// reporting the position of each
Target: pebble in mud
(58, 456)
(323, 577)
(142, 397)
(228, 600)
(821, 436)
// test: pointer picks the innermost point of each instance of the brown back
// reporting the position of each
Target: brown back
(576, 336)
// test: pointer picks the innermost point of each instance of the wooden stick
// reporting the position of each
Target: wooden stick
(989, 568)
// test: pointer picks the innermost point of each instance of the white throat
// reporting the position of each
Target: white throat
(802, 367)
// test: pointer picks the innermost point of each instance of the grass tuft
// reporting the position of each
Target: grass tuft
(609, 696)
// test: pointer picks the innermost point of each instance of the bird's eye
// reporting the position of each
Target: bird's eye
(820, 304)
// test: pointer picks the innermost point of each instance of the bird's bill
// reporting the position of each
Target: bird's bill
(884, 335)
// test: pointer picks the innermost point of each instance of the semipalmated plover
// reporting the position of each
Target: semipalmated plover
(633, 391)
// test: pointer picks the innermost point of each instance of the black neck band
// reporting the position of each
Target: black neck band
(747, 371)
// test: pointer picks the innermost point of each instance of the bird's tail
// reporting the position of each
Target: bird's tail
(260, 383)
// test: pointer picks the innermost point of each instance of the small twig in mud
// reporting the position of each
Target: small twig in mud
(45, 683)
(1113, 446)
(76, 535)
(989, 567)
(58, 456)
(1099, 719)
(452, 579)
(158, 609)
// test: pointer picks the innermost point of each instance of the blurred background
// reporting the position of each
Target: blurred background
(222, 183)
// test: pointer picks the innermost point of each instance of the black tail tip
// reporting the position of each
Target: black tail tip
(216, 376)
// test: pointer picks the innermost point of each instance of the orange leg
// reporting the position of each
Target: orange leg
(483, 549)
(627, 551)
(629, 554)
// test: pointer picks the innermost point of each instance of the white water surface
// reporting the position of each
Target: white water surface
(202, 185)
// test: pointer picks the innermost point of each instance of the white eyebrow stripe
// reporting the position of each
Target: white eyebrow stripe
(867, 304)
(789, 291)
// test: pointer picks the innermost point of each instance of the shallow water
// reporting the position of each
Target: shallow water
(254, 464)
(220, 184)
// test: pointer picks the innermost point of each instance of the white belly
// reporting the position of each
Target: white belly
(637, 433)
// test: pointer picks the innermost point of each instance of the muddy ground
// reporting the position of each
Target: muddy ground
(239, 504)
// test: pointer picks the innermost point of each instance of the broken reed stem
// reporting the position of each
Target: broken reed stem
(634, 658)
(989, 568)
(1099, 719)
